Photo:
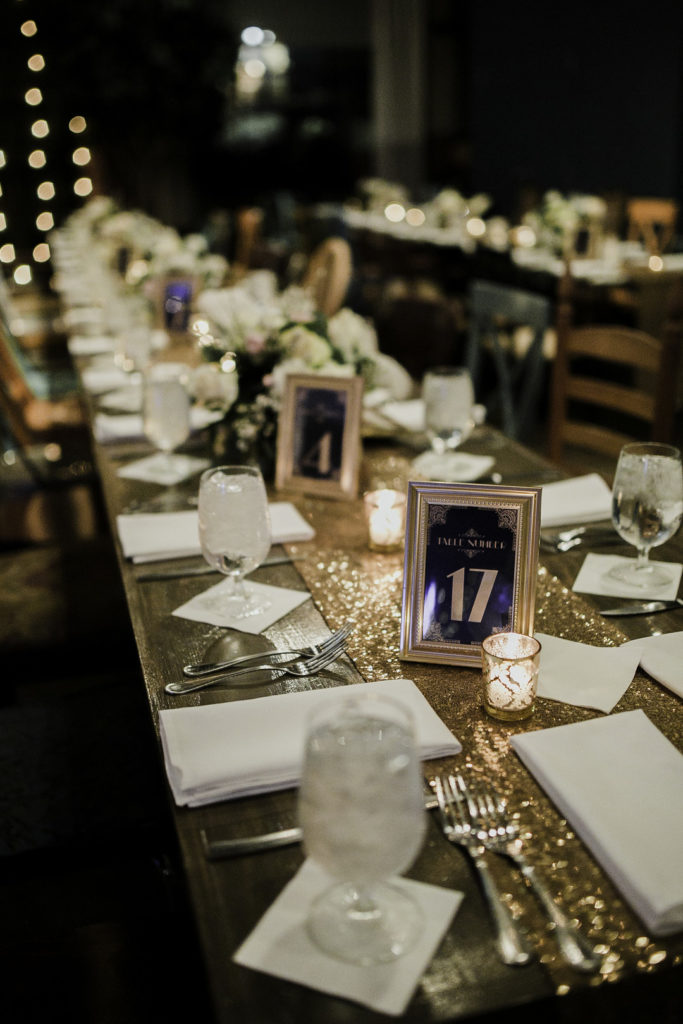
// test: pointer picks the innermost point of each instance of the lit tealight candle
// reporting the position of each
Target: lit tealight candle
(510, 663)
(385, 514)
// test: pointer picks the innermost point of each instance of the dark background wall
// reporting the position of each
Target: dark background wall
(585, 97)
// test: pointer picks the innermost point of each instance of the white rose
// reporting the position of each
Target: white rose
(301, 343)
(354, 336)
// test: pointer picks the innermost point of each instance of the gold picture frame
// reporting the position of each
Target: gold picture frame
(318, 438)
(471, 558)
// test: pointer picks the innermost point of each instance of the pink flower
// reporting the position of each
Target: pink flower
(255, 344)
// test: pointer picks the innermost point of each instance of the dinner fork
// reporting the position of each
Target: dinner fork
(209, 667)
(303, 667)
(457, 828)
(499, 832)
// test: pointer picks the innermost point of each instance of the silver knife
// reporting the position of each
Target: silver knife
(204, 570)
(644, 607)
(215, 849)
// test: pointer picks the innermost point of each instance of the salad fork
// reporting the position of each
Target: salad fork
(498, 832)
(457, 827)
(210, 667)
(303, 667)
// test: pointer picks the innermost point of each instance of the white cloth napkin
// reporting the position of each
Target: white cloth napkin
(408, 414)
(618, 781)
(583, 499)
(155, 536)
(591, 677)
(129, 426)
(451, 467)
(163, 469)
(98, 379)
(662, 657)
(127, 399)
(280, 945)
(90, 344)
(592, 579)
(275, 601)
(218, 751)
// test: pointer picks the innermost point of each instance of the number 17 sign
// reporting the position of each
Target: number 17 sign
(471, 556)
(318, 442)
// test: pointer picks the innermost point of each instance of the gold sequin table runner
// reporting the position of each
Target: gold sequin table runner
(347, 580)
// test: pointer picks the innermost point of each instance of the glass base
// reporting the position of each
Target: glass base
(365, 931)
(236, 606)
(639, 576)
(504, 715)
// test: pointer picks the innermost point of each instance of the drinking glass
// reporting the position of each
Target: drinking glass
(448, 396)
(234, 532)
(647, 504)
(166, 407)
(361, 809)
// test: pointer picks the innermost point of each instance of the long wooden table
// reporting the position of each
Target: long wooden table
(641, 976)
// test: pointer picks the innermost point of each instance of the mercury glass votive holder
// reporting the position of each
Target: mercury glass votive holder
(510, 663)
(385, 514)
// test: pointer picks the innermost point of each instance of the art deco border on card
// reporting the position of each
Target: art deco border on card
(471, 557)
(318, 441)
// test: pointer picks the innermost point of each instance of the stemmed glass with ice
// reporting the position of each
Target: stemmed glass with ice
(234, 532)
(361, 808)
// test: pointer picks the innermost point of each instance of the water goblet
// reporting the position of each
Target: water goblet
(647, 504)
(361, 809)
(448, 396)
(234, 532)
(166, 410)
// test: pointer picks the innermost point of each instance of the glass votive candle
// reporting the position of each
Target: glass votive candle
(385, 514)
(510, 663)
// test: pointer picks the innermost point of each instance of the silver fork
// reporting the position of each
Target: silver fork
(457, 828)
(209, 667)
(499, 832)
(304, 667)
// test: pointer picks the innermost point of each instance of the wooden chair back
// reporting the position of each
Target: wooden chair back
(612, 385)
(249, 225)
(419, 331)
(652, 221)
(494, 310)
(328, 274)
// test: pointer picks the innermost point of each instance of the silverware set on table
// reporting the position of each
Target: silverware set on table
(478, 821)
(577, 536)
(303, 661)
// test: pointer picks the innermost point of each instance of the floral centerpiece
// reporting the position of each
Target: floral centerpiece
(254, 335)
(558, 220)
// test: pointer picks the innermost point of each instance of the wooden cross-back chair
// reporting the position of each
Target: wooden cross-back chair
(495, 310)
(613, 385)
(652, 221)
(328, 274)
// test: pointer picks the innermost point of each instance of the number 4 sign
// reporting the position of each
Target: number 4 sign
(471, 556)
(318, 442)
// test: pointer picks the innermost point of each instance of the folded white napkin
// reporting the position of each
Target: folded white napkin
(275, 602)
(451, 467)
(662, 657)
(583, 499)
(592, 579)
(98, 379)
(591, 677)
(90, 344)
(155, 536)
(163, 469)
(242, 747)
(408, 414)
(127, 399)
(280, 945)
(618, 781)
(129, 426)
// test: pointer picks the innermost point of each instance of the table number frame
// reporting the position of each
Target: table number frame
(173, 301)
(471, 558)
(318, 439)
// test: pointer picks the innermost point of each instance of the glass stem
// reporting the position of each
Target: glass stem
(642, 559)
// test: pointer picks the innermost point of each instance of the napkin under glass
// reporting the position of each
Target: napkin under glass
(280, 945)
(618, 781)
(239, 748)
(274, 602)
(593, 579)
